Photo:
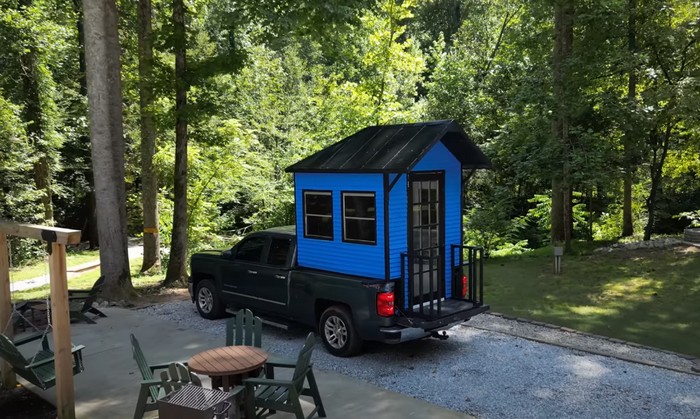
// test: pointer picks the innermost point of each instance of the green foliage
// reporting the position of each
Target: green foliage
(692, 216)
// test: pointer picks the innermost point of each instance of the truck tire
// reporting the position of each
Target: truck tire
(207, 300)
(338, 332)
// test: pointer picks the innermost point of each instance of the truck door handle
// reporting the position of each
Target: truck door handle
(280, 276)
(252, 272)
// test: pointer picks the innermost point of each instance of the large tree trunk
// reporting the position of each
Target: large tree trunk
(106, 133)
(35, 119)
(561, 189)
(177, 264)
(90, 222)
(149, 179)
(628, 143)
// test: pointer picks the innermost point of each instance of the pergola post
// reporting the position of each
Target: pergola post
(57, 238)
(8, 376)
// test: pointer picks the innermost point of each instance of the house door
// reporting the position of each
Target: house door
(426, 239)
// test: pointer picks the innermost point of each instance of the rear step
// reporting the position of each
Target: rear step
(277, 323)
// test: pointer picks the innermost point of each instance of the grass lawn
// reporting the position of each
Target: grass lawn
(649, 296)
(87, 280)
(41, 268)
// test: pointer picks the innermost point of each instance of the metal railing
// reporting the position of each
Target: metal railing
(472, 267)
(425, 303)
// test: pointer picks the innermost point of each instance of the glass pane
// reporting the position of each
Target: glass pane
(434, 240)
(416, 215)
(319, 226)
(416, 191)
(279, 250)
(425, 237)
(319, 204)
(360, 206)
(361, 230)
(251, 249)
(416, 238)
(433, 213)
(424, 219)
(424, 193)
(433, 191)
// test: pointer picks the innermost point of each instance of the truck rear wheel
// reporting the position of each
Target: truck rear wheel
(338, 332)
(207, 300)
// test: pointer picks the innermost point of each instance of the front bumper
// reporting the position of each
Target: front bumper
(416, 328)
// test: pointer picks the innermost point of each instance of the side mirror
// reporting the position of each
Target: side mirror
(227, 254)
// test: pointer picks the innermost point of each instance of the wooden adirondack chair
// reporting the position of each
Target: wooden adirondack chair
(270, 394)
(40, 371)
(81, 302)
(152, 388)
(177, 376)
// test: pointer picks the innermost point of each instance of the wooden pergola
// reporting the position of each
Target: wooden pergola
(57, 239)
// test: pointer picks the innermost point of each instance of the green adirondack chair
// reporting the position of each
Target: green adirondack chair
(246, 329)
(177, 376)
(41, 370)
(268, 394)
(152, 388)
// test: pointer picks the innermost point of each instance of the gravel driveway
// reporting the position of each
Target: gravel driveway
(493, 375)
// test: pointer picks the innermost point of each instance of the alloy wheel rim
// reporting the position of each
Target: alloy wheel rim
(206, 300)
(336, 332)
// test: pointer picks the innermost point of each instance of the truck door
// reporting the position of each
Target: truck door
(246, 261)
(269, 284)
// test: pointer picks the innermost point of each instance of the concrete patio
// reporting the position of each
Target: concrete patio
(108, 388)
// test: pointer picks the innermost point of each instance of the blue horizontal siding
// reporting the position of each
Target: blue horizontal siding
(398, 239)
(336, 256)
(440, 158)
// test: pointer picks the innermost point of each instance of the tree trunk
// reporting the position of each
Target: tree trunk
(177, 264)
(149, 179)
(628, 143)
(561, 189)
(105, 110)
(656, 169)
(90, 222)
(34, 116)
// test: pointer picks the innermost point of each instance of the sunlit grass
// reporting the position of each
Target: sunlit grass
(87, 280)
(41, 268)
(645, 296)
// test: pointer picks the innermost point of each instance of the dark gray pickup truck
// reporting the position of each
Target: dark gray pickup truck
(261, 273)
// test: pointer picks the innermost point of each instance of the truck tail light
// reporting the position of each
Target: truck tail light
(385, 304)
(465, 286)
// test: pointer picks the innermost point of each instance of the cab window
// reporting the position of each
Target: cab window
(251, 249)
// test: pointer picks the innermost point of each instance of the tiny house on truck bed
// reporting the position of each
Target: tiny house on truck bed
(386, 203)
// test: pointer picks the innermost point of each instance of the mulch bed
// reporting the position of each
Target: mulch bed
(20, 403)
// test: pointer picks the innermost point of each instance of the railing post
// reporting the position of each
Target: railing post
(9, 380)
(481, 276)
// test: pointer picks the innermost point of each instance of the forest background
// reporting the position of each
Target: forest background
(589, 111)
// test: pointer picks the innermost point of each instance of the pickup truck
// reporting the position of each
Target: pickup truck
(261, 273)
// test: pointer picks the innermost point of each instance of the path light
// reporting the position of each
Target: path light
(558, 253)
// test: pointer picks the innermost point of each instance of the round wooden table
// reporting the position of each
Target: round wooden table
(231, 364)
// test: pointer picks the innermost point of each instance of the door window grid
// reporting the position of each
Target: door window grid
(426, 228)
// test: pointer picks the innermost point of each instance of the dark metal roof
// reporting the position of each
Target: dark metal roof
(393, 149)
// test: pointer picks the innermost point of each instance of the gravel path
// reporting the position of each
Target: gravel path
(494, 375)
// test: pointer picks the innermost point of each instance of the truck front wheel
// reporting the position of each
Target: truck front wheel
(207, 300)
(338, 332)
